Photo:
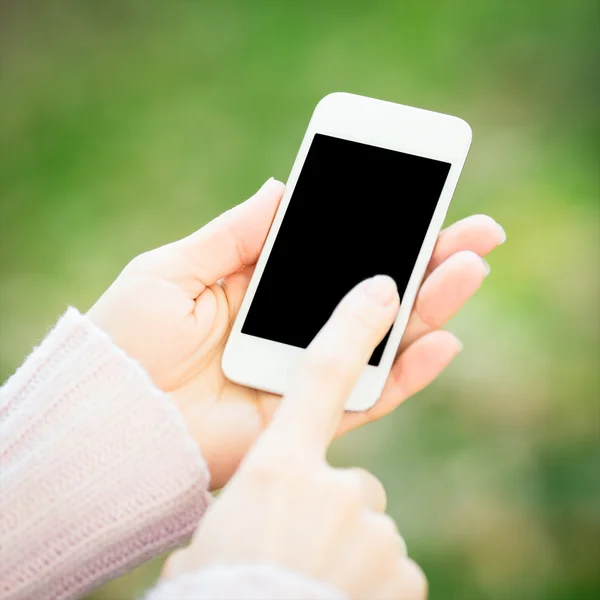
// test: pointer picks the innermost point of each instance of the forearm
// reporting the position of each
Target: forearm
(97, 472)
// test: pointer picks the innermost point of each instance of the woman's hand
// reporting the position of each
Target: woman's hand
(285, 505)
(171, 309)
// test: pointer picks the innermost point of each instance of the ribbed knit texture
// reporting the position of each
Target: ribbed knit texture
(244, 582)
(98, 474)
(97, 471)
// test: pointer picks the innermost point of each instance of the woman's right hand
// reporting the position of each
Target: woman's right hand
(286, 505)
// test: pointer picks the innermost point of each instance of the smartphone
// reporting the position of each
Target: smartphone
(367, 195)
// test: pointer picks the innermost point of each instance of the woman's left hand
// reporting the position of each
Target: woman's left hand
(172, 308)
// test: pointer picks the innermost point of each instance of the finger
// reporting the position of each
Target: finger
(443, 293)
(414, 370)
(311, 410)
(414, 582)
(409, 583)
(372, 490)
(477, 233)
(385, 528)
(235, 238)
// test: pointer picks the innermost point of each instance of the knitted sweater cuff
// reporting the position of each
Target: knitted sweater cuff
(97, 470)
(244, 582)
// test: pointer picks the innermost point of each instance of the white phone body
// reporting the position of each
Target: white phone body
(269, 365)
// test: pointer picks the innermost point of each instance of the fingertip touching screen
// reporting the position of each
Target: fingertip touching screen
(357, 210)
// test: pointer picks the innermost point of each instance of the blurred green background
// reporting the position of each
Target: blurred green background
(127, 124)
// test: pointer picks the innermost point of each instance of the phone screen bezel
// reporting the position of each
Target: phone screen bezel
(269, 365)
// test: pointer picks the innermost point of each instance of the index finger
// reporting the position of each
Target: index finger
(311, 411)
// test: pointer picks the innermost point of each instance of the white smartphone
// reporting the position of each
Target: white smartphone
(367, 195)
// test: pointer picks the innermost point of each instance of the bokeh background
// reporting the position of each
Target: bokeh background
(126, 124)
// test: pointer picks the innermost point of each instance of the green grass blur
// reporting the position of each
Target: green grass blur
(125, 125)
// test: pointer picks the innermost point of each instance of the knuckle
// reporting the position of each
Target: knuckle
(428, 316)
(140, 263)
(367, 477)
(416, 579)
(374, 491)
(465, 263)
(387, 538)
(278, 469)
(352, 492)
(363, 319)
(265, 472)
(349, 491)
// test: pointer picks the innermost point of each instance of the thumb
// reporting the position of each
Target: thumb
(235, 238)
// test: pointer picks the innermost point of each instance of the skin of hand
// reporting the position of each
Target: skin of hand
(285, 505)
(172, 308)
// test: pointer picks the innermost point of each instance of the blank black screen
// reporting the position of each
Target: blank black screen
(357, 211)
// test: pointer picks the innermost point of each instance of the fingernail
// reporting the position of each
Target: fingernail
(271, 182)
(487, 267)
(502, 233)
(381, 288)
(459, 345)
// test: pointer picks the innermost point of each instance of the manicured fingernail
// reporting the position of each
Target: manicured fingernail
(502, 233)
(487, 267)
(271, 183)
(270, 186)
(381, 288)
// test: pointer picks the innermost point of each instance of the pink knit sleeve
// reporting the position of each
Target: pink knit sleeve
(97, 471)
(244, 582)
